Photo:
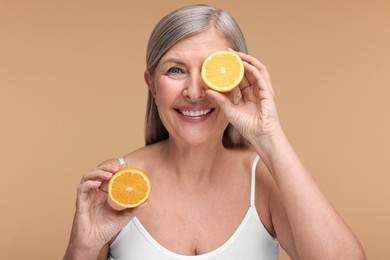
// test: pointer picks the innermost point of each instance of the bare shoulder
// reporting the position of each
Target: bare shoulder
(145, 156)
(133, 158)
(111, 161)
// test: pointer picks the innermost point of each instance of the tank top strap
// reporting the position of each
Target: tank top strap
(121, 160)
(253, 180)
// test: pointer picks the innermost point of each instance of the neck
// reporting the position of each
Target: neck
(193, 163)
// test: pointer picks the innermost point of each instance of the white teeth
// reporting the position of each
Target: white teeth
(195, 112)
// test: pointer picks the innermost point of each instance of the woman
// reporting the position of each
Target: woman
(226, 182)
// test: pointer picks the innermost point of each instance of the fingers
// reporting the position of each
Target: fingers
(89, 185)
(103, 172)
(237, 96)
(83, 193)
(97, 178)
(97, 174)
(223, 101)
(256, 79)
(256, 74)
(256, 63)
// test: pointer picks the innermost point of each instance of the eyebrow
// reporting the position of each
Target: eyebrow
(172, 60)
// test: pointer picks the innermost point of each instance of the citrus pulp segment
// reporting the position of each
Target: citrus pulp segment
(128, 188)
(222, 70)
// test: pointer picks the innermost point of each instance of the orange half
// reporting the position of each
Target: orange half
(222, 71)
(128, 188)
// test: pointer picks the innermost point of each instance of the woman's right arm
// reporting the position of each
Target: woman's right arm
(95, 223)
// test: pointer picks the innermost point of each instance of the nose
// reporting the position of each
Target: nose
(195, 87)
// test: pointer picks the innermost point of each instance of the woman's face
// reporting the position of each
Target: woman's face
(184, 108)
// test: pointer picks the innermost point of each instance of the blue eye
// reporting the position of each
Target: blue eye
(175, 70)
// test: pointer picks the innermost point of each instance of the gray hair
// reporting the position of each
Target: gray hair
(174, 27)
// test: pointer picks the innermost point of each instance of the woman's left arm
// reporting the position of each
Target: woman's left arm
(318, 232)
(315, 230)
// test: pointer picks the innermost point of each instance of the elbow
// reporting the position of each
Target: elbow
(353, 252)
(349, 248)
(356, 251)
(344, 251)
(359, 254)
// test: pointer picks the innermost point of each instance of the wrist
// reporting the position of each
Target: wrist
(272, 146)
(74, 252)
(266, 140)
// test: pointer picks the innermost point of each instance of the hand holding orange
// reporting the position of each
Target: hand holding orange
(128, 188)
(222, 70)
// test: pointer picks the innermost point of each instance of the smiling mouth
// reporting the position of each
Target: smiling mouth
(195, 113)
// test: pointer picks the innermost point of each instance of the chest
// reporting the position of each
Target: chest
(193, 225)
(250, 241)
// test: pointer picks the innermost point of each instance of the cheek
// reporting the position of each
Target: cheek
(167, 91)
(160, 90)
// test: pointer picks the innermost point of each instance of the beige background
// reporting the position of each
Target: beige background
(72, 95)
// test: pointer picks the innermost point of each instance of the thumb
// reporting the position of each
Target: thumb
(222, 101)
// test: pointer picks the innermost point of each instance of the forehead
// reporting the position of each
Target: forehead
(197, 46)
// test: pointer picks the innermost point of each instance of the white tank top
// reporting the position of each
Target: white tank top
(250, 241)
